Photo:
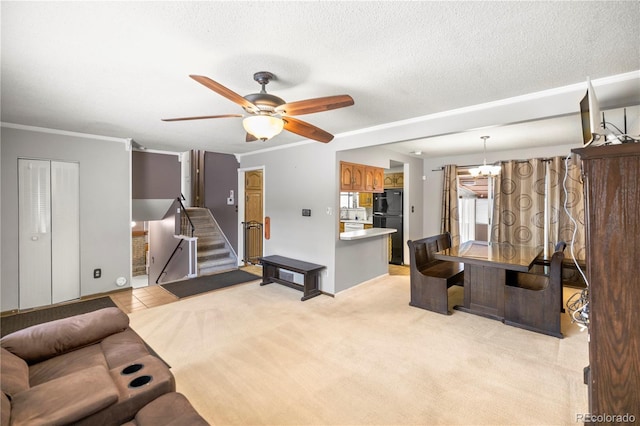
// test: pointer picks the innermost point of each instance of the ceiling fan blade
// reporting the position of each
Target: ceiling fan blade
(250, 138)
(305, 129)
(315, 105)
(201, 117)
(227, 93)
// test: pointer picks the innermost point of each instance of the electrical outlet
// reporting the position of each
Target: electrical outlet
(97, 273)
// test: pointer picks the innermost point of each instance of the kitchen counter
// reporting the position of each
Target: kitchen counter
(365, 222)
(366, 233)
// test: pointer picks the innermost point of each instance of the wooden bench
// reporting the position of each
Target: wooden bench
(431, 278)
(271, 266)
(533, 301)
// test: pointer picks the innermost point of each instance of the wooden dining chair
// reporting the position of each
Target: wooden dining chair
(533, 301)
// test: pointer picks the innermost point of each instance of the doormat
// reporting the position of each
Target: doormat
(16, 322)
(207, 283)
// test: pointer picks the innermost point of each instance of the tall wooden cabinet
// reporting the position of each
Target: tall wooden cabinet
(612, 213)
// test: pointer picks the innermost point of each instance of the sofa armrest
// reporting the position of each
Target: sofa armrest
(43, 341)
(66, 399)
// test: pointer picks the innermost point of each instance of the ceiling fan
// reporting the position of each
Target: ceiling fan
(269, 114)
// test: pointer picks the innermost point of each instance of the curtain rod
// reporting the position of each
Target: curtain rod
(470, 166)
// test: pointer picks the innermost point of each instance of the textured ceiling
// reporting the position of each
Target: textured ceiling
(116, 68)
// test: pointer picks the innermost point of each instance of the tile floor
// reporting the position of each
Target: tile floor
(136, 299)
(143, 296)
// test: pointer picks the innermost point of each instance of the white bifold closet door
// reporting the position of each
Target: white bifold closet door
(49, 232)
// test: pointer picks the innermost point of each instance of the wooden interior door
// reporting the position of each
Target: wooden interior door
(253, 215)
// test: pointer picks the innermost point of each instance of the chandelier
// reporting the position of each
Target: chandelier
(485, 169)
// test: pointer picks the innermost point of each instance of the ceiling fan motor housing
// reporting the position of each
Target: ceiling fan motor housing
(264, 101)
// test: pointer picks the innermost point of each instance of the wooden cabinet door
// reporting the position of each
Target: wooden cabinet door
(394, 180)
(346, 176)
(253, 180)
(388, 180)
(253, 206)
(358, 177)
(368, 178)
(365, 199)
(378, 179)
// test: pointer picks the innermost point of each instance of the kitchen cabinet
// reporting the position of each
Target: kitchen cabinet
(351, 176)
(365, 199)
(253, 180)
(373, 179)
(394, 180)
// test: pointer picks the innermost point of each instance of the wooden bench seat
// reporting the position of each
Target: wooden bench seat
(430, 278)
(534, 301)
(271, 266)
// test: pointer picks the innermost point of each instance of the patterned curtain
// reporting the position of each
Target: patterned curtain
(450, 218)
(561, 228)
(518, 208)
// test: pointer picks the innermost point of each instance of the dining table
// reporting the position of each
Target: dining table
(486, 266)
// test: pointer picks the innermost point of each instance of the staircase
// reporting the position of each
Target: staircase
(214, 251)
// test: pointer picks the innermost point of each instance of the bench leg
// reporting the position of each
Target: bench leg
(311, 286)
(268, 272)
(430, 293)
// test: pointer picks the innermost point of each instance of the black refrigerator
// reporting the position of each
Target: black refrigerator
(387, 213)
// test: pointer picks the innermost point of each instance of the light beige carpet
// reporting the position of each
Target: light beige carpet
(251, 355)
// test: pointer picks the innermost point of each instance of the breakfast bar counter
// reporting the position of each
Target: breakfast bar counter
(366, 233)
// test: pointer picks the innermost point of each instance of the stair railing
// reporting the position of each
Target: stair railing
(185, 220)
(164, 268)
(185, 224)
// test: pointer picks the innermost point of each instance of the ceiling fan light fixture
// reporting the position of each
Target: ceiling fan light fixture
(263, 127)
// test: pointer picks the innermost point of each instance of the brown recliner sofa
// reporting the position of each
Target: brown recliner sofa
(88, 369)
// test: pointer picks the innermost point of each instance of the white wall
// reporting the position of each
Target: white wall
(301, 177)
(105, 205)
(307, 176)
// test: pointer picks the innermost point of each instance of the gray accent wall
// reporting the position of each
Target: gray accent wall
(154, 175)
(105, 205)
(221, 176)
